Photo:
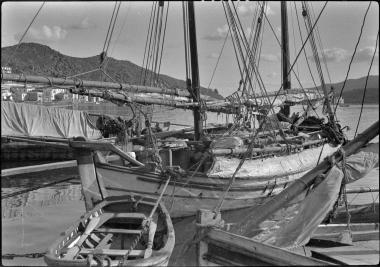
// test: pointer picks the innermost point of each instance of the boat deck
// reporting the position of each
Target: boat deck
(360, 253)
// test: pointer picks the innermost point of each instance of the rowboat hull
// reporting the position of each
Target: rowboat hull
(185, 195)
(117, 231)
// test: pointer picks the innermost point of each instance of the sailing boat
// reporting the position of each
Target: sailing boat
(270, 165)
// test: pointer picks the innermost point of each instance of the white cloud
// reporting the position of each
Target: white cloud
(219, 34)
(84, 24)
(247, 9)
(272, 75)
(270, 58)
(213, 55)
(269, 11)
(45, 33)
(333, 55)
(366, 53)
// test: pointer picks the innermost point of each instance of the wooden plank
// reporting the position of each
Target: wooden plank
(38, 168)
(351, 255)
(104, 241)
(113, 252)
(331, 228)
(356, 236)
(117, 231)
(260, 251)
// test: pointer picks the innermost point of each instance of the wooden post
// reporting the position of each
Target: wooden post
(93, 189)
(205, 218)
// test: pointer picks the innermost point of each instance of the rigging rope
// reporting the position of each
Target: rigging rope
(250, 146)
(22, 37)
(365, 86)
(353, 55)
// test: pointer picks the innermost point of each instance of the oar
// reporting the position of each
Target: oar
(76, 247)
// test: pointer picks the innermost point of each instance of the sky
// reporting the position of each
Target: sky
(79, 29)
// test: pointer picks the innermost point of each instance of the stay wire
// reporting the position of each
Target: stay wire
(163, 41)
(365, 87)
(353, 55)
(24, 34)
(146, 43)
(109, 27)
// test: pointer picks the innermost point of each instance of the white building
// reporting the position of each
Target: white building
(6, 70)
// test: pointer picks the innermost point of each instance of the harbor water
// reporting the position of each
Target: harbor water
(32, 221)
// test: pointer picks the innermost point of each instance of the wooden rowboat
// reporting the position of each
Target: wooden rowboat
(117, 232)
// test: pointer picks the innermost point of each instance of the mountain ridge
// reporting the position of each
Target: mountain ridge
(39, 59)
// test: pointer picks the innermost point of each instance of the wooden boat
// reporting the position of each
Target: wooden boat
(116, 232)
(286, 231)
(271, 163)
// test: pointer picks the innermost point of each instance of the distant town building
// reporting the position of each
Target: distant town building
(6, 94)
(34, 96)
(6, 70)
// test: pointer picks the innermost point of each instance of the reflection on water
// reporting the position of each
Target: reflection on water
(13, 207)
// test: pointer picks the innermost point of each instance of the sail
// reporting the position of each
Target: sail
(19, 119)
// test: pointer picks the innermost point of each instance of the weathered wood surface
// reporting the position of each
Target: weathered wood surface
(266, 253)
(38, 168)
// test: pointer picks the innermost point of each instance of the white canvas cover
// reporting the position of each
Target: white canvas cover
(361, 163)
(224, 167)
(20, 119)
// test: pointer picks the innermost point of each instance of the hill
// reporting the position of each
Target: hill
(354, 89)
(38, 59)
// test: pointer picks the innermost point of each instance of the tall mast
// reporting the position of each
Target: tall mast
(285, 53)
(194, 71)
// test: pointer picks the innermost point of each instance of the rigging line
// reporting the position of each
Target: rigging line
(232, 39)
(366, 82)
(254, 42)
(110, 38)
(217, 62)
(158, 37)
(185, 39)
(257, 74)
(313, 46)
(294, 37)
(121, 29)
(307, 61)
(22, 37)
(109, 26)
(303, 45)
(149, 40)
(146, 43)
(353, 55)
(163, 41)
(319, 39)
(154, 45)
(291, 70)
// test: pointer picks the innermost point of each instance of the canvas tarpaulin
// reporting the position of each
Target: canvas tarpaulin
(20, 119)
(294, 224)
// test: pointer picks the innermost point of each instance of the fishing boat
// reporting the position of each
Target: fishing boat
(116, 232)
(287, 229)
(275, 153)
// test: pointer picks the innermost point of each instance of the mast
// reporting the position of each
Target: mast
(194, 71)
(285, 53)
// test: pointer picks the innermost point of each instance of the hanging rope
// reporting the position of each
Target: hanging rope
(365, 86)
